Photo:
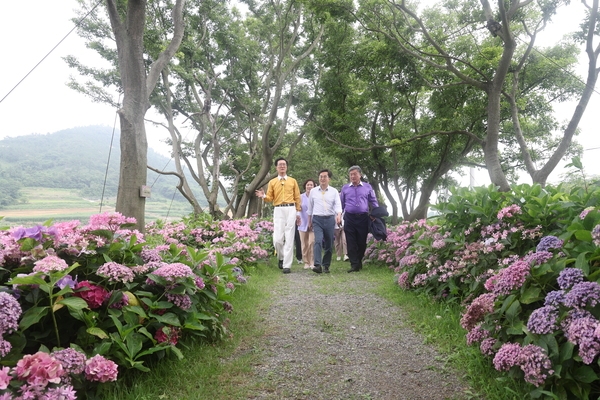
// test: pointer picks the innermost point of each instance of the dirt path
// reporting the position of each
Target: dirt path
(332, 338)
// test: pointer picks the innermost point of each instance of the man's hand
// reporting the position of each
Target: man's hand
(259, 193)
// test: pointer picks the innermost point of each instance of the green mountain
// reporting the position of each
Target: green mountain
(74, 159)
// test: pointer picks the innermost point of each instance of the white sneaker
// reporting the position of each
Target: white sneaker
(306, 266)
(299, 261)
(339, 258)
(345, 258)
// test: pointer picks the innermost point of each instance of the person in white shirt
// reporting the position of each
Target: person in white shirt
(324, 212)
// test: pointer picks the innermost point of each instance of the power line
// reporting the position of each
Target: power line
(58, 44)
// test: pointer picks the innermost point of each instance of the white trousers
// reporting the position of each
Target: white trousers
(284, 228)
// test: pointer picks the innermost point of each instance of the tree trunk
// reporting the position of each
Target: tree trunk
(129, 36)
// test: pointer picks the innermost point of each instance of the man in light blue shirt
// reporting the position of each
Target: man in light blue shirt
(324, 212)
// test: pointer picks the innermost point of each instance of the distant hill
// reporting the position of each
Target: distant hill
(74, 159)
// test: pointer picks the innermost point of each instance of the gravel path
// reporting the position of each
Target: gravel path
(329, 337)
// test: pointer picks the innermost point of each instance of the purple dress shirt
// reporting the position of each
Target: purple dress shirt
(356, 199)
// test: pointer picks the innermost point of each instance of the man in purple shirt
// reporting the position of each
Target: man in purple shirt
(356, 198)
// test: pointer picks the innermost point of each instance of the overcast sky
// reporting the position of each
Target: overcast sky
(43, 103)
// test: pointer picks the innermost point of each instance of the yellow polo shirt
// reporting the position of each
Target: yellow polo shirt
(284, 191)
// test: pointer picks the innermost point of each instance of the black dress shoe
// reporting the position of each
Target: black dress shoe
(286, 271)
(317, 269)
(280, 264)
(326, 270)
(353, 270)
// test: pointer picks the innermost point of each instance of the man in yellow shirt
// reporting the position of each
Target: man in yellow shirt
(284, 193)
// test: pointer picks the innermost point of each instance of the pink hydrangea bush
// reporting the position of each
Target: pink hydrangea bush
(82, 283)
(52, 375)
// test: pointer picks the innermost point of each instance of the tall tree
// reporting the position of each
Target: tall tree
(451, 42)
(286, 32)
(374, 113)
(137, 77)
(128, 25)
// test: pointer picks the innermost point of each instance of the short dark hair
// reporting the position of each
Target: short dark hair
(309, 180)
(281, 159)
(329, 174)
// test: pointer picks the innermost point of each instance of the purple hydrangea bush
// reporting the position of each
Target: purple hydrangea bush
(526, 266)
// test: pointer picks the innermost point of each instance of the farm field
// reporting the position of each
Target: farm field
(43, 204)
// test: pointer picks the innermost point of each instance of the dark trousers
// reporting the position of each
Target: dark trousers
(298, 244)
(356, 227)
(323, 226)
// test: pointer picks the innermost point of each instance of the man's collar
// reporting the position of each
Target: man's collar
(359, 183)
(282, 177)
(327, 188)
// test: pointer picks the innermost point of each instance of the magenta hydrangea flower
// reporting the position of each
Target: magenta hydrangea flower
(173, 271)
(487, 346)
(94, 295)
(99, 369)
(569, 277)
(200, 282)
(72, 361)
(116, 273)
(477, 310)
(403, 280)
(581, 332)
(60, 393)
(182, 301)
(5, 347)
(167, 334)
(549, 242)
(507, 356)
(543, 320)
(509, 279)
(39, 369)
(50, 264)
(5, 377)
(538, 258)
(535, 364)
(509, 211)
(150, 255)
(109, 220)
(477, 335)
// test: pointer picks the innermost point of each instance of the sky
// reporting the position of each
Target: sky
(42, 103)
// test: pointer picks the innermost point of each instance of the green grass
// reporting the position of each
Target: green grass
(224, 370)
